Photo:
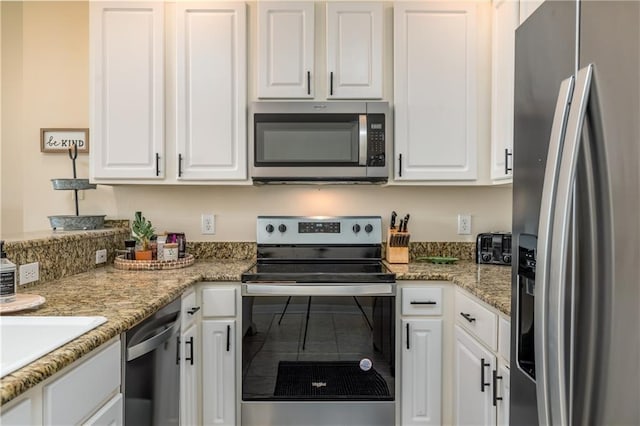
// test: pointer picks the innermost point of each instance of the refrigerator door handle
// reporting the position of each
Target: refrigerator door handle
(558, 388)
(558, 130)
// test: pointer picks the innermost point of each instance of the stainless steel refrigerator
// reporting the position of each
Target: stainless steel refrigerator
(575, 355)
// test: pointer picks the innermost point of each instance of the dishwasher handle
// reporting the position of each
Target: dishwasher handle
(170, 325)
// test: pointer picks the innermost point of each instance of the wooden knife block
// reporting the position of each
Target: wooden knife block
(395, 253)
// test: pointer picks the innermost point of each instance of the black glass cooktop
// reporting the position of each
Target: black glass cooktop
(327, 272)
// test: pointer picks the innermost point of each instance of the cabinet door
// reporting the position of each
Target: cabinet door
(127, 90)
(473, 390)
(527, 7)
(435, 91)
(211, 91)
(421, 372)
(218, 372)
(110, 414)
(19, 414)
(285, 49)
(189, 360)
(504, 24)
(503, 392)
(354, 50)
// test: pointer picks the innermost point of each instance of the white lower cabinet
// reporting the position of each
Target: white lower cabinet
(190, 360)
(218, 373)
(474, 364)
(219, 348)
(481, 363)
(86, 392)
(421, 371)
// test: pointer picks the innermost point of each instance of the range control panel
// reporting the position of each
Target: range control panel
(319, 230)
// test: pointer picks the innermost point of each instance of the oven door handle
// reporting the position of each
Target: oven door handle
(318, 289)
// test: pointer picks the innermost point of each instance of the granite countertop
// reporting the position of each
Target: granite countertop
(127, 297)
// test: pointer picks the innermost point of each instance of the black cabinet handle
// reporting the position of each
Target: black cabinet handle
(157, 164)
(507, 154)
(468, 317)
(228, 338)
(308, 82)
(496, 398)
(193, 310)
(331, 83)
(400, 165)
(179, 165)
(418, 302)
(408, 346)
(482, 382)
(190, 343)
(177, 350)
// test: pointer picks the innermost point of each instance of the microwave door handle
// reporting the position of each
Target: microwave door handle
(363, 140)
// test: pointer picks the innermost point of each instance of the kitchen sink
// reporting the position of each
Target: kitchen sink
(24, 339)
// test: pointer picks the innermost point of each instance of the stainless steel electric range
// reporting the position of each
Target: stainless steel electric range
(319, 324)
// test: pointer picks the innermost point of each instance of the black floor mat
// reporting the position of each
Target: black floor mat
(331, 380)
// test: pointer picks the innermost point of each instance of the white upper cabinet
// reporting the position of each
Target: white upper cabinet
(354, 50)
(211, 91)
(286, 49)
(435, 82)
(127, 90)
(506, 16)
(527, 7)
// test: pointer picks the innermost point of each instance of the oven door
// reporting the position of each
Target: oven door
(318, 354)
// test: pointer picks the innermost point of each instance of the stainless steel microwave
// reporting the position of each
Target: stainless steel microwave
(308, 142)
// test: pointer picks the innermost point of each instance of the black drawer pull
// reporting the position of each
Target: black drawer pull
(408, 346)
(418, 302)
(507, 154)
(228, 338)
(468, 317)
(157, 164)
(496, 398)
(482, 382)
(190, 343)
(193, 310)
(179, 165)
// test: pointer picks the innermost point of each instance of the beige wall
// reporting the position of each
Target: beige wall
(45, 84)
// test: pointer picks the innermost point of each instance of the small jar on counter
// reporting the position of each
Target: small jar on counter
(162, 239)
(171, 251)
(130, 247)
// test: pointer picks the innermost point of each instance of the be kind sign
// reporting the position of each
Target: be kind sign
(60, 140)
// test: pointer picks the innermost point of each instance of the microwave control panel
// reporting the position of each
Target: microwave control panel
(375, 140)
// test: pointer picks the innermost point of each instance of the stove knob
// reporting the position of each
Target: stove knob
(356, 228)
(282, 227)
(506, 258)
(368, 228)
(270, 228)
(486, 257)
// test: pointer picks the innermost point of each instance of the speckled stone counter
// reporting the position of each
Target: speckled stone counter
(127, 297)
(490, 283)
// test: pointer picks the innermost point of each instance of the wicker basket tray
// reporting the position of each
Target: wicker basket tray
(152, 265)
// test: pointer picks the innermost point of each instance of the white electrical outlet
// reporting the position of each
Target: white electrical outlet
(101, 256)
(29, 273)
(208, 223)
(464, 224)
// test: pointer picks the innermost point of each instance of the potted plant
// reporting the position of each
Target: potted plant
(142, 231)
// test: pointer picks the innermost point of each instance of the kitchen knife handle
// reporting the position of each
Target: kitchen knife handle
(496, 398)
(507, 154)
(482, 382)
(179, 165)
(190, 357)
(468, 317)
(308, 82)
(228, 338)
(157, 164)
(399, 165)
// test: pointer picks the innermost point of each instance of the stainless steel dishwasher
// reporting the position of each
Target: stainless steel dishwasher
(151, 371)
